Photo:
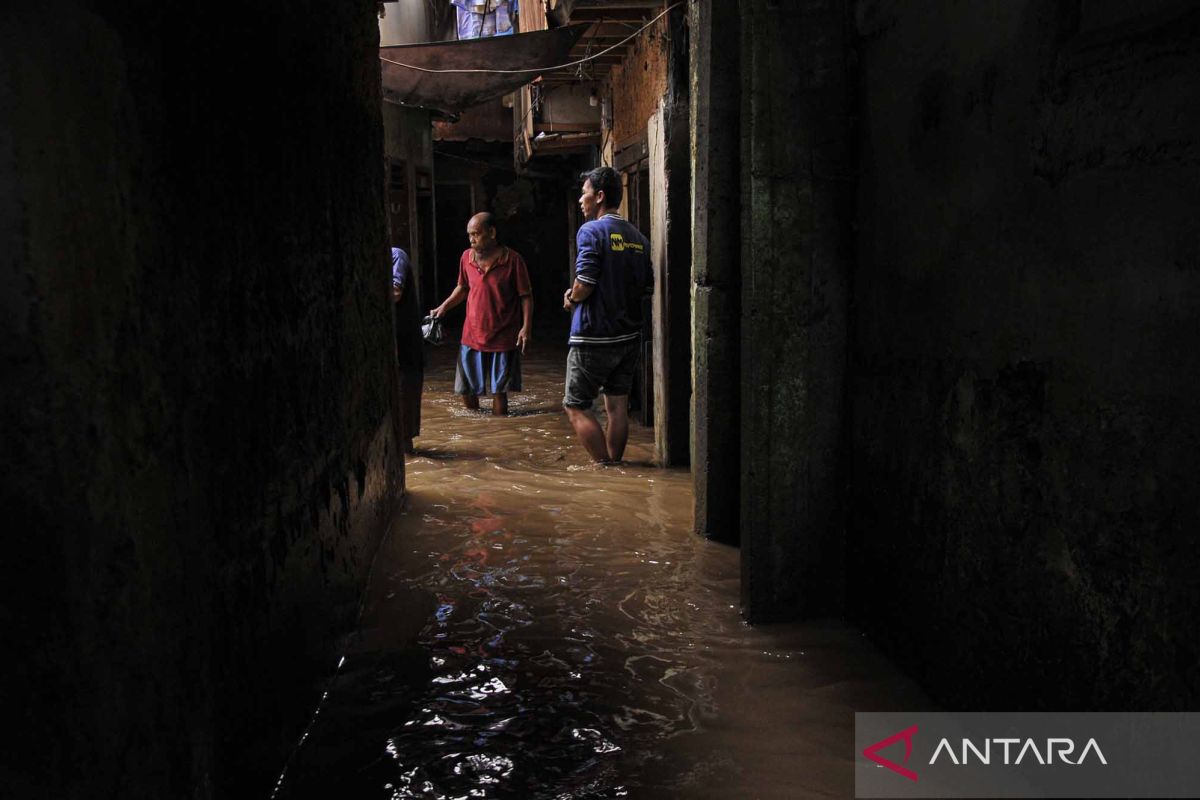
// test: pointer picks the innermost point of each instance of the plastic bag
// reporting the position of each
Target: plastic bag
(431, 330)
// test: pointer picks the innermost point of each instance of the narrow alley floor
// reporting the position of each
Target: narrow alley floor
(538, 627)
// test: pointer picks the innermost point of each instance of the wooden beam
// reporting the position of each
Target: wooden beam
(611, 58)
(610, 16)
(615, 30)
(608, 5)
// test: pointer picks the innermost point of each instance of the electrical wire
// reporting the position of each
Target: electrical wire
(532, 70)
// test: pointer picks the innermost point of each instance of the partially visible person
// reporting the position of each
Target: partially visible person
(612, 275)
(484, 18)
(494, 281)
(410, 347)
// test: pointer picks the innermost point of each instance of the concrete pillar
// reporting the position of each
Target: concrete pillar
(716, 266)
(796, 257)
(672, 314)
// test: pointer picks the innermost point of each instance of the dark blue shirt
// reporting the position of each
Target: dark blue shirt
(400, 268)
(614, 259)
(410, 353)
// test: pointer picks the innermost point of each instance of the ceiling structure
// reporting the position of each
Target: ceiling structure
(610, 22)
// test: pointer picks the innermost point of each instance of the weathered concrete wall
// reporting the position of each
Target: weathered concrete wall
(405, 22)
(198, 458)
(1027, 300)
(569, 108)
(671, 186)
(716, 266)
(798, 198)
(638, 83)
(489, 122)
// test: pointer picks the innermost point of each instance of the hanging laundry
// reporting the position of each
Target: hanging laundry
(479, 19)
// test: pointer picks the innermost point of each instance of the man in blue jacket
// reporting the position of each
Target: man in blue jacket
(612, 274)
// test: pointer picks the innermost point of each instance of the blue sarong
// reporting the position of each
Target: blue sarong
(487, 373)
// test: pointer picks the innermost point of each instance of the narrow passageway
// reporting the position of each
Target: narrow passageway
(574, 639)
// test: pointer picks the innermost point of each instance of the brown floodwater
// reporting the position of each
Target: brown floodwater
(539, 627)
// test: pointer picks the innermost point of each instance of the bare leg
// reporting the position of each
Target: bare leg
(589, 433)
(500, 404)
(471, 401)
(617, 408)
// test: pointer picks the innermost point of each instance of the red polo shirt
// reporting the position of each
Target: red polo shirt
(494, 301)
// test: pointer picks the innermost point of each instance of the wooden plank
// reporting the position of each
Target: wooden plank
(582, 6)
(531, 17)
(612, 59)
(658, 249)
(613, 30)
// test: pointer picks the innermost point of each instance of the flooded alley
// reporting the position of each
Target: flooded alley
(904, 297)
(574, 638)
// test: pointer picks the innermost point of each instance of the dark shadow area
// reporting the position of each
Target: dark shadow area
(196, 404)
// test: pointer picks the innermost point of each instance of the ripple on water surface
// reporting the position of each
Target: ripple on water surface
(538, 627)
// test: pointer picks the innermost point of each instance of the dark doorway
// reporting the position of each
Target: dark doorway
(397, 200)
(637, 188)
(455, 205)
(428, 264)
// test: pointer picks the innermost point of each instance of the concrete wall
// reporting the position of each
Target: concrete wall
(489, 122)
(198, 459)
(673, 285)
(405, 22)
(652, 85)
(1025, 371)
(638, 83)
(716, 267)
(568, 108)
(797, 201)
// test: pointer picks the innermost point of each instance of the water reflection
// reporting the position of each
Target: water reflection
(539, 627)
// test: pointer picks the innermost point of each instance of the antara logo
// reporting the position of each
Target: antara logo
(969, 752)
(1061, 747)
(872, 752)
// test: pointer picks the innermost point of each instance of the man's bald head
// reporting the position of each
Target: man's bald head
(481, 231)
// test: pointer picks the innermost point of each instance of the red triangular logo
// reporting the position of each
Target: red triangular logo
(872, 752)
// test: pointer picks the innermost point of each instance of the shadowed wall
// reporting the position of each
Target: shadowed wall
(796, 254)
(1024, 362)
(198, 458)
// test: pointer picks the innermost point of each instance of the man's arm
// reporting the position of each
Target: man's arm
(526, 332)
(587, 267)
(578, 292)
(457, 296)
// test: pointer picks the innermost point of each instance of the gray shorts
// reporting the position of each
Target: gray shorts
(600, 368)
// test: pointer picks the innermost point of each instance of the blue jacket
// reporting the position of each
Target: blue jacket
(614, 258)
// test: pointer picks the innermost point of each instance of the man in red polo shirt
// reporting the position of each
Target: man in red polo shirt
(495, 283)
